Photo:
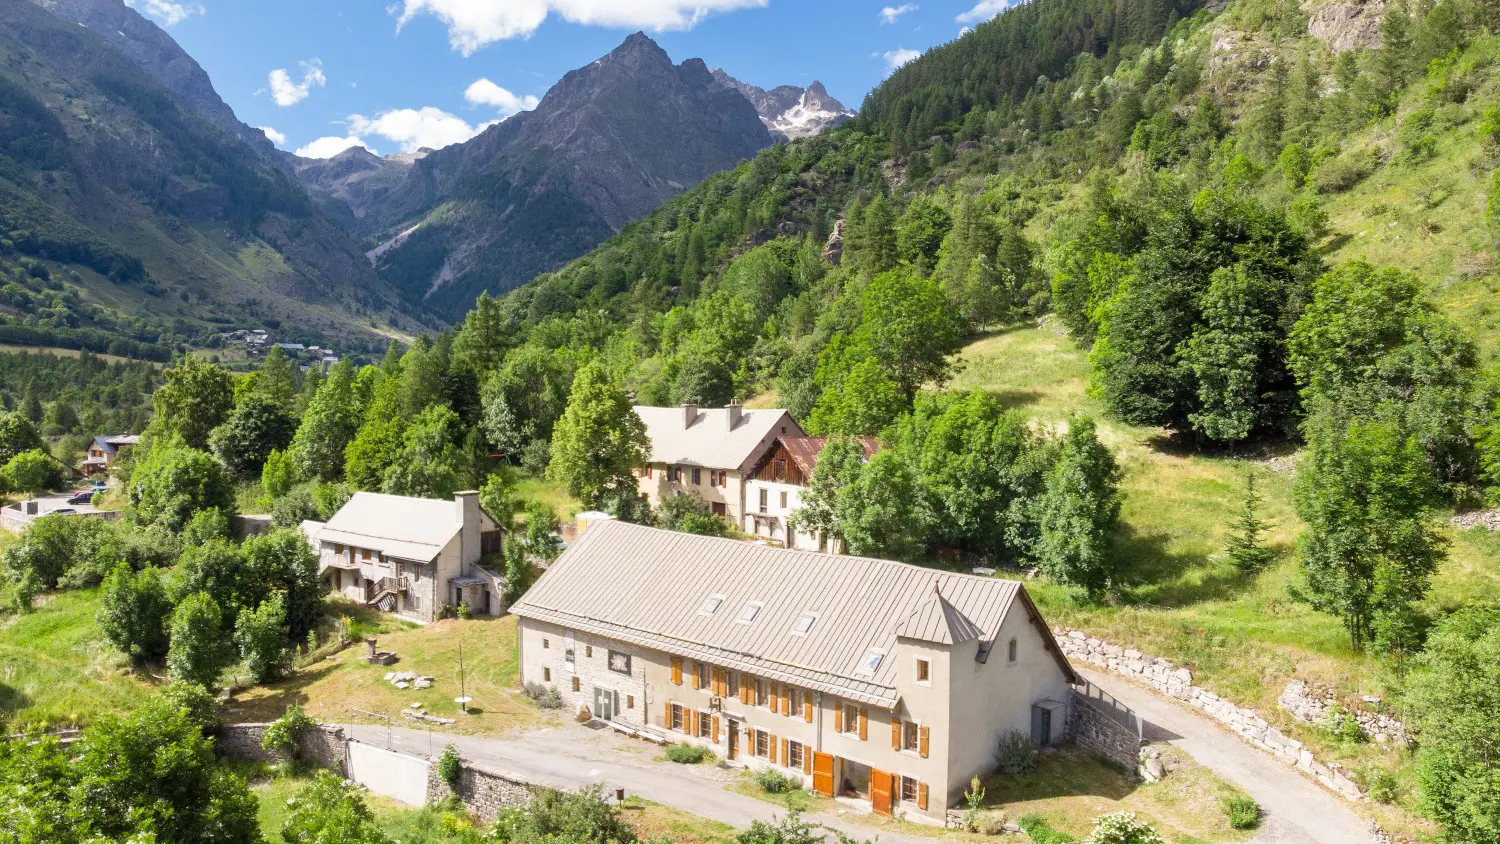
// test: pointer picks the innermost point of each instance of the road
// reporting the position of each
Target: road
(1297, 810)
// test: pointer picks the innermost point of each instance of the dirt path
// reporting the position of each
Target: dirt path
(1297, 810)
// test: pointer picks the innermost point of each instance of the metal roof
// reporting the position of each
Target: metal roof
(396, 525)
(805, 450)
(936, 620)
(709, 441)
(647, 586)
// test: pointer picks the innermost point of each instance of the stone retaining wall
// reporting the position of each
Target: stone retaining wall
(1177, 682)
(323, 746)
(1093, 729)
(484, 791)
(1312, 708)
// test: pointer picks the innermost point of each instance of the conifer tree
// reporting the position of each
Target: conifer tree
(1246, 547)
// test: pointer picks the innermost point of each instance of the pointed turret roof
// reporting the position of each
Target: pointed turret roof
(936, 620)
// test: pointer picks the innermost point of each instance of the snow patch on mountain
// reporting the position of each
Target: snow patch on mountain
(788, 111)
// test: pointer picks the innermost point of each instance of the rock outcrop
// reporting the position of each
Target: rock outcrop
(1347, 25)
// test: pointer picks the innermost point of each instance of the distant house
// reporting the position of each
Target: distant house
(411, 556)
(866, 679)
(291, 347)
(708, 451)
(774, 487)
(103, 452)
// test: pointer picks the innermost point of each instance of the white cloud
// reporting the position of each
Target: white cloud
(330, 146)
(897, 58)
(890, 13)
(277, 138)
(485, 92)
(473, 24)
(416, 128)
(985, 10)
(169, 13)
(288, 93)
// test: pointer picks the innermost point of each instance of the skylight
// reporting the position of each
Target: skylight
(803, 624)
(711, 605)
(749, 613)
(870, 662)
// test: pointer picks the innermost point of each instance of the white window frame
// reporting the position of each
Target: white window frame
(916, 733)
(864, 661)
(753, 609)
(812, 618)
(716, 600)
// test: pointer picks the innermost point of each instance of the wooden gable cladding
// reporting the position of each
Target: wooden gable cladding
(777, 466)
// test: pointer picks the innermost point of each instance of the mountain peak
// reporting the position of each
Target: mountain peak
(788, 111)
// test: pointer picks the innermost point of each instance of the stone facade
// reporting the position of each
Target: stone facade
(1312, 707)
(1091, 728)
(1177, 682)
(323, 746)
(485, 792)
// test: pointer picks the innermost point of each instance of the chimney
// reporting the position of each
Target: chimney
(467, 505)
(733, 411)
(689, 415)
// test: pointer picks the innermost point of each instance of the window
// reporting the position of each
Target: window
(619, 662)
(924, 671)
(778, 467)
(762, 744)
(546, 675)
(749, 612)
(648, 470)
(702, 671)
(765, 496)
(908, 790)
(803, 624)
(851, 718)
(732, 684)
(908, 735)
(339, 550)
(762, 693)
(793, 754)
(588, 651)
(696, 480)
(705, 725)
(365, 555)
(546, 644)
(783, 501)
(711, 605)
(676, 710)
(870, 662)
(1010, 651)
(575, 683)
(630, 701)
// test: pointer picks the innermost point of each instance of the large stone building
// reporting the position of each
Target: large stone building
(774, 487)
(411, 556)
(868, 679)
(708, 452)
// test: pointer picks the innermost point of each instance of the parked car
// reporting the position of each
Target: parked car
(61, 511)
(98, 485)
(84, 497)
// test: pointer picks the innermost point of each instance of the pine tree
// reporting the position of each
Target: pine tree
(1246, 546)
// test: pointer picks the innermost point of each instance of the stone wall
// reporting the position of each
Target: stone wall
(1090, 727)
(323, 746)
(1177, 682)
(484, 791)
(1312, 707)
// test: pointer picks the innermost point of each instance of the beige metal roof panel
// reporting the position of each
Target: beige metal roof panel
(709, 441)
(653, 582)
(376, 520)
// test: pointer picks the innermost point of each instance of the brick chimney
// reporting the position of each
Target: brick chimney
(733, 412)
(689, 415)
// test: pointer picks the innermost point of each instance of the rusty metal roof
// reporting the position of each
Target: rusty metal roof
(805, 450)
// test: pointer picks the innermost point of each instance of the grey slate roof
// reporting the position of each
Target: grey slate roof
(648, 587)
(709, 442)
(396, 525)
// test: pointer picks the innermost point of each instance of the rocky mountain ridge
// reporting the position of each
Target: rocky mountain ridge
(788, 111)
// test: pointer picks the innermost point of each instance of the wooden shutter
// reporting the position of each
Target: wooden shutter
(716, 729)
(864, 724)
(807, 760)
(771, 749)
(666, 718)
(923, 734)
(807, 713)
(676, 670)
(785, 758)
(695, 675)
(746, 689)
(880, 792)
(822, 771)
(838, 716)
(786, 701)
(922, 796)
(895, 733)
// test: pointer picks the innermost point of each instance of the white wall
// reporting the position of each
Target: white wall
(389, 774)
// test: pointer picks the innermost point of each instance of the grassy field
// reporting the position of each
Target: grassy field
(329, 689)
(59, 352)
(530, 487)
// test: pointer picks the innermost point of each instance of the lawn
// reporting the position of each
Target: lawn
(330, 689)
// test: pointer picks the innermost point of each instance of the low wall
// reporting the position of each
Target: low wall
(1312, 707)
(1093, 728)
(1177, 682)
(484, 791)
(399, 776)
(323, 746)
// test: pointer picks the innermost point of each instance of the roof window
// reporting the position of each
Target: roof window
(711, 605)
(870, 662)
(803, 623)
(750, 611)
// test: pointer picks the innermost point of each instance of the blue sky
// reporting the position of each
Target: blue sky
(396, 75)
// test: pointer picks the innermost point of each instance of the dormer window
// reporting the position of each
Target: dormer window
(749, 612)
(711, 605)
(870, 662)
(803, 624)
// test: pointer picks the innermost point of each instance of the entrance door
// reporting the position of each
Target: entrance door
(823, 773)
(734, 739)
(604, 704)
(718, 508)
(1041, 726)
(880, 792)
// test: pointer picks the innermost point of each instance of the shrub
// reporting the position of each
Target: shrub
(463, 611)
(974, 798)
(686, 754)
(773, 781)
(1380, 784)
(261, 635)
(988, 822)
(450, 765)
(284, 733)
(198, 652)
(1340, 174)
(134, 610)
(1243, 813)
(330, 809)
(547, 697)
(197, 701)
(1041, 832)
(1341, 725)
(583, 816)
(1016, 753)
(1122, 828)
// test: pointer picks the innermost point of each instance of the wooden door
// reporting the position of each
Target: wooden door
(718, 508)
(822, 770)
(734, 739)
(880, 792)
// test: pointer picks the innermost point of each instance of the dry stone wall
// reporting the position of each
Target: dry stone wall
(1312, 707)
(1177, 682)
(484, 791)
(323, 746)
(1091, 728)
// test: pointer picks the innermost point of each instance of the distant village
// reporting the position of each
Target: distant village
(258, 343)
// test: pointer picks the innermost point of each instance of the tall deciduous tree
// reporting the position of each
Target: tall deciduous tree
(317, 449)
(198, 651)
(195, 399)
(432, 462)
(1079, 511)
(17, 434)
(599, 441)
(258, 425)
(134, 612)
(172, 482)
(909, 330)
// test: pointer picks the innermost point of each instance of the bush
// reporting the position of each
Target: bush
(198, 652)
(330, 809)
(284, 733)
(686, 754)
(1341, 725)
(134, 611)
(1243, 813)
(989, 822)
(199, 704)
(1016, 754)
(261, 635)
(1122, 828)
(582, 816)
(1041, 832)
(450, 765)
(1340, 174)
(773, 781)
(547, 697)
(1380, 784)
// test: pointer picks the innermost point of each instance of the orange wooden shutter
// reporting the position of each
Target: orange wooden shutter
(895, 733)
(807, 712)
(864, 724)
(786, 759)
(666, 718)
(838, 716)
(676, 670)
(786, 701)
(922, 796)
(771, 749)
(880, 792)
(695, 675)
(716, 729)
(923, 734)
(807, 759)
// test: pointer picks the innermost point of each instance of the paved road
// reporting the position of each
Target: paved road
(1297, 810)
(573, 757)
